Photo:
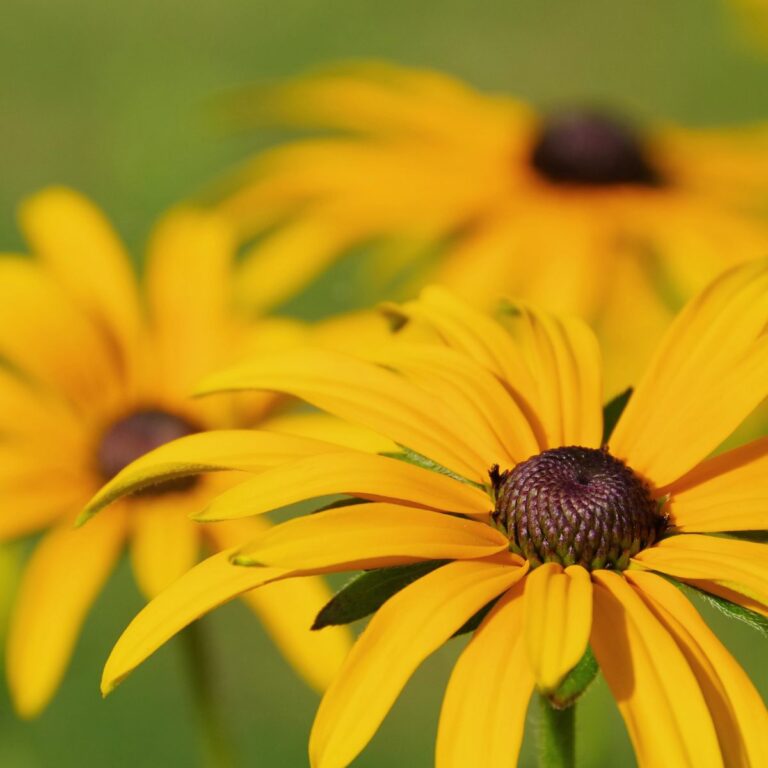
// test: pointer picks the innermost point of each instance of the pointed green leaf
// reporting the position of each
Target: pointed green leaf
(612, 412)
(366, 593)
(732, 610)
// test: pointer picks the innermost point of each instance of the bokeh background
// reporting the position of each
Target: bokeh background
(122, 100)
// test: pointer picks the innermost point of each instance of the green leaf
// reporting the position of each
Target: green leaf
(612, 411)
(366, 593)
(732, 610)
(759, 537)
(576, 682)
(411, 457)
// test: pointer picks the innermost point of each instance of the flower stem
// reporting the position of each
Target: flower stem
(556, 735)
(219, 752)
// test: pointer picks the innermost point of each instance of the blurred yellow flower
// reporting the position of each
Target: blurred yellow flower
(573, 211)
(506, 476)
(98, 371)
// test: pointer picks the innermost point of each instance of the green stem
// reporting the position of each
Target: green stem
(219, 752)
(556, 735)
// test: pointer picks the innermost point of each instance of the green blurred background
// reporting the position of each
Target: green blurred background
(118, 99)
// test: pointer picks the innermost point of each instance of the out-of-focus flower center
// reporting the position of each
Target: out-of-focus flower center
(575, 506)
(591, 149)
(131, 437)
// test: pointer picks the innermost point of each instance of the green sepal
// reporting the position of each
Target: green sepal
(365, 593)
(612, 412)
(576, 682)
(732, 610)
(411, 457)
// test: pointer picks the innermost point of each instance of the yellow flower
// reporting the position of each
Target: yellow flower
(98, 371)
(573, 211)
(511, 488)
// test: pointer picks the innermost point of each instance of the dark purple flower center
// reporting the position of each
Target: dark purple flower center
(588, 148)
(576, 506)
(131, 437)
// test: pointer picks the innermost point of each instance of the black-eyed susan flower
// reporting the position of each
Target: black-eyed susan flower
(575, 210)
(96, 371)
(507, 502)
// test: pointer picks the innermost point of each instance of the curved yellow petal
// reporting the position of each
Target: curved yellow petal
(563, 359)
(558, 620)
(709, 373)
(207, 586)
(316, 655)
(164, 542)
(469, 331)
(364, 475)
(284, 262)
(49, 337)
(364, 394)
(656, 691)
(188, 278)
(60, 583)
(239, 450)
(76, 241)
(726, 493)
(30, 410)
(552, 364)
(483, 715)
(477, 399)
(321, 426)
(738, 712)
(738, 565)
(372, 97)
(404, 631)
(366, 532)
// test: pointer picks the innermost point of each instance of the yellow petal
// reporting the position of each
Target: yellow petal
(164, 541)
(239, 450)
(469, 331)
(738, 565)
(60, 583)
(558, 620)
(372, 532)
(46, 335)
(737, 709)
(208, 585)
(188, 289)
(29, 410)
(316, 655)
(494, 424)
(709, 373)
(563, 358)
(358, 474)
(654, 687)
(37, 507)
(283, 263)
(321, 426)
(483, 715)
(726, 493)
(76, 241)
(364, 394)
(407, 629)
(372, 97)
